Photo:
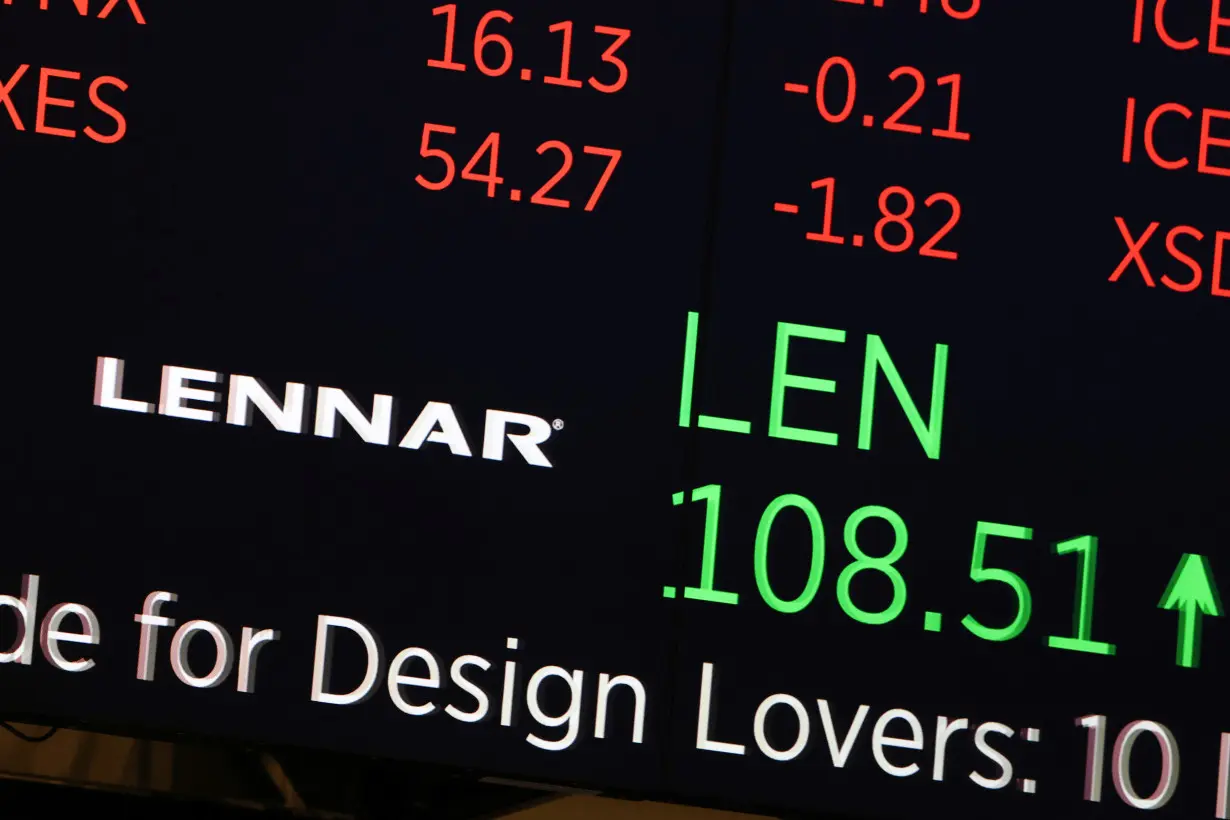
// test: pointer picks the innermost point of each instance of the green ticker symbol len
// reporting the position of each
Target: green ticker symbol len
(933, 621)
(1193, 592)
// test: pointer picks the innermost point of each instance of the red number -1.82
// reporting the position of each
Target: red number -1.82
(894, 232)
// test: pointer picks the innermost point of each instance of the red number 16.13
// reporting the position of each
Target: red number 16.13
(485, 41)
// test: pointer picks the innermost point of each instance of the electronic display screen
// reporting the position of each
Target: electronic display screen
(813, 406)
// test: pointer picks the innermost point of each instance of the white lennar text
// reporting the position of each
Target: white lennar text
(436, 423)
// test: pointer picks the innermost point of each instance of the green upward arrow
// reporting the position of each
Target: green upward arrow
(1193, 592)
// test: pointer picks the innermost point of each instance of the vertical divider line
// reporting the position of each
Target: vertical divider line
(679, 715)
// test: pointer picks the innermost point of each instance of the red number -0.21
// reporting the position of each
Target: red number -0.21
(839, 67)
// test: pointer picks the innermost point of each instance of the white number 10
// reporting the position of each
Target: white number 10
(1121, 758)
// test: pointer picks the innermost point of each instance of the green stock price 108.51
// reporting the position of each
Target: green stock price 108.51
(1192, 591)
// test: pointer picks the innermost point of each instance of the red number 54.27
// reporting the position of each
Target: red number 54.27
(491, 150)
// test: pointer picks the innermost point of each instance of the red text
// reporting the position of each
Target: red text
(1218, 23)
(490, 152)
(83, 8)
(836, 113)
(1193, 239)
(494, 56)
(894, 232)
(1210, 119)
(924, 6)
(59, 89)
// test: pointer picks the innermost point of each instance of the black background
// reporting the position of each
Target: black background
(261, 217)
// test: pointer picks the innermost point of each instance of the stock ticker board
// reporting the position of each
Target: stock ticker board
(815, 406)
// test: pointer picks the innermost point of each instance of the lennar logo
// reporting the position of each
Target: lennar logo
(436, 423)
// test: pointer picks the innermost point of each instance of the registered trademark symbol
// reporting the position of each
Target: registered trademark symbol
(558, 424)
